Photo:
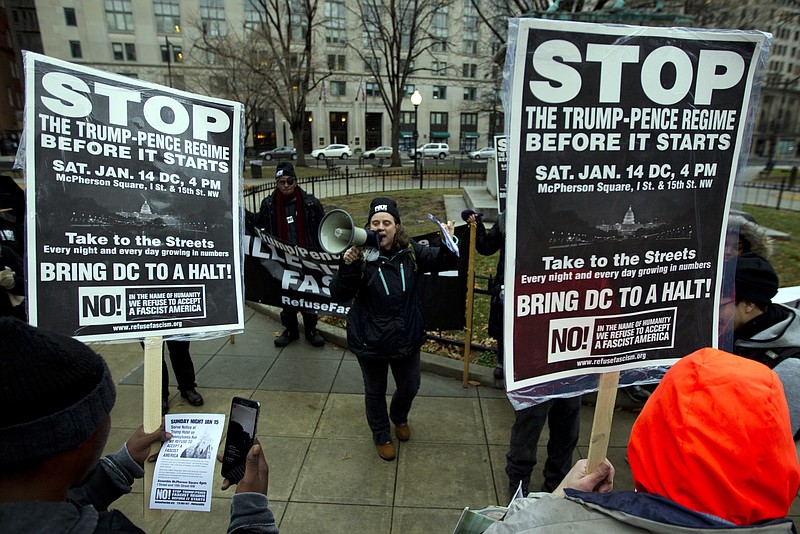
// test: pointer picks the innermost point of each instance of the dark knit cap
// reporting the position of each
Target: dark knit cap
(54, 393)
(384, 204)
(756, 280)
(284, 169)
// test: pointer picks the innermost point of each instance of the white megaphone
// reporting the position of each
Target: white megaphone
(337, 233)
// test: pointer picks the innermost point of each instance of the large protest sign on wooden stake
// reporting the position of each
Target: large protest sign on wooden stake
(624, 146)
(134, 211)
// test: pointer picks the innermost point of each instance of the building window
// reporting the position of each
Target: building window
(470, 93)
(439, 118)
(119, 15)
(372, 64)
(409, 89)
(440, 30)
(177, 54)
(336, 62)
(469, 119)
(338, 88)
(439, 68)
(469, 70)
(124, 51)
(252, 17)
(168, 16)
(439, 92)
(299, 19)
(75, 49)
(335, 22)
(470, 47)
(372, 89)
(69, 16)
(212, 17)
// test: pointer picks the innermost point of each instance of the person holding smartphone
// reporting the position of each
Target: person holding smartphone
(385, 327)
(57, 395)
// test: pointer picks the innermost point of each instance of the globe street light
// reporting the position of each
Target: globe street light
(416, 100)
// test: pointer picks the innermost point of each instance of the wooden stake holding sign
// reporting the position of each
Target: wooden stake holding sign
(153, 354)
(473, 226)
(603, 415)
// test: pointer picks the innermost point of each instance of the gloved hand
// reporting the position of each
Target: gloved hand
(467, 213)
(7, 278)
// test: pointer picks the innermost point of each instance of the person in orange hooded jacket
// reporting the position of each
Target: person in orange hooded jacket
(711, 451)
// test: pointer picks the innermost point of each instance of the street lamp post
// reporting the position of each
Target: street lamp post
(169, 61)
(169, 55)
(416, 100)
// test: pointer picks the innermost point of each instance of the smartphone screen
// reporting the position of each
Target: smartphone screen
(241, 436)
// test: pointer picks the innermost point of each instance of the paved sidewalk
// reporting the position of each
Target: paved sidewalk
(325, 476)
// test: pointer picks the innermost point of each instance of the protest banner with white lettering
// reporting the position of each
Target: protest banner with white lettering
(625, 143)
(278, 273)
(134, 198)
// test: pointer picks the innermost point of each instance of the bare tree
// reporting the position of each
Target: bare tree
(395, 35)
(276, 46)
(230, 78)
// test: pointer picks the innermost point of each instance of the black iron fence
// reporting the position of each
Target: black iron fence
(344, 181)
(781, 196)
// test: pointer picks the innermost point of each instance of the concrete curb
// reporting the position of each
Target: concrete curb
(431, 363)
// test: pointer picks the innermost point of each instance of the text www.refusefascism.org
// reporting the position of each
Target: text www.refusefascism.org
(611, 360)
(146, 326)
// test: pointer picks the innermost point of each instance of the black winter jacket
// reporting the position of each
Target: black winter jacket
(487, 243)
(385, 320)
(267, 217)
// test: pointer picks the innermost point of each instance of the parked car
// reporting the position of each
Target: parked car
(482, 153)
(281, 152)
(380, 152)
(430, 150)
(332, 151)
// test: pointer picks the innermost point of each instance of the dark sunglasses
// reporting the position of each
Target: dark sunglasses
(287, 181)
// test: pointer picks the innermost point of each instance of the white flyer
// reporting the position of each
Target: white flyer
(185, 467)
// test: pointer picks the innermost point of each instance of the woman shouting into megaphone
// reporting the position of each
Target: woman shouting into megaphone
(385, 327)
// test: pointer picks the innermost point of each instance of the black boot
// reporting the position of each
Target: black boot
(286, 337)
(314, 337)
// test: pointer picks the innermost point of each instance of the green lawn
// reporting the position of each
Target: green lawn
(786, 258)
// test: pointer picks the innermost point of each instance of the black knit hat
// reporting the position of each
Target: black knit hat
(54, 393)
(756, 280)
(384, 204)
(284, 169)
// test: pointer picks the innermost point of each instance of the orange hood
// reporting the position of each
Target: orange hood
(715, 437)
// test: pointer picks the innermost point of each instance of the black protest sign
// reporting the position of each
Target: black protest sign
(134, 199)
(624, 147)
(281, 274)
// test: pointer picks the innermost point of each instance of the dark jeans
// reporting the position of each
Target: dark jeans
(289, 319)
(182, 366)
(563, 418)
(376, 374)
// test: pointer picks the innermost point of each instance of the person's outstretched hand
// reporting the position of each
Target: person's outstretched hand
(139, 443)
(601, 480)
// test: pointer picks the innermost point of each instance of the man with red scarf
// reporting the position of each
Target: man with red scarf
(292, 215)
